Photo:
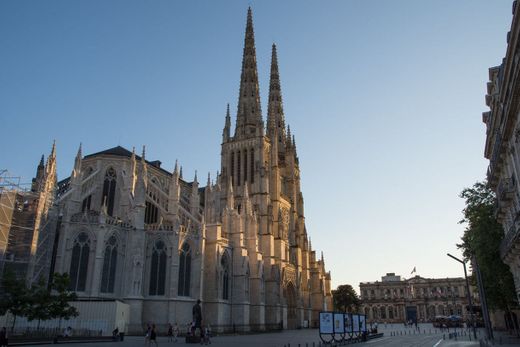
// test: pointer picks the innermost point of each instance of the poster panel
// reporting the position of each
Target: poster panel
(348, 322)
(355, 323)
(326, 323)
(339, 323)
(362, 323)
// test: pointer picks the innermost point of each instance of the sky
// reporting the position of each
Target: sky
(385, 99)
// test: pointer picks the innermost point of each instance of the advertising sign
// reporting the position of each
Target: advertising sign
(348, 322)
(339, 323)
(355, 323)
(363, 323)
(326, 323)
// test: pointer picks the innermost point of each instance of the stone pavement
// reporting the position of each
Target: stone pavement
(393, 337)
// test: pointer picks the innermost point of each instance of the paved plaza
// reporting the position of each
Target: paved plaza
(394, 336)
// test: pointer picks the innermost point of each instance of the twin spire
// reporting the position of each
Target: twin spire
(249, 121)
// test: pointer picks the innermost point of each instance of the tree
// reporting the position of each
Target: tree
(39, 302)
(15, 296)
(59, 305)
(481, 240)
(346, 299)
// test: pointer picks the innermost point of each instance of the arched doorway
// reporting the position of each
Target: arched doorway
(290, 298)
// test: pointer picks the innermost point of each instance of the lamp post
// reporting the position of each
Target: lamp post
(468, 293)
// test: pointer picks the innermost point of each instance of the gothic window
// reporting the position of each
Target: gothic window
(109, 266)
(238, 168)
(184, 270)
(86, 204)
(150, 213)
(109, 190)
(79, 263)
(252, 170)
(232, 171)
(224, 263)
(245, 166)
(158, 269)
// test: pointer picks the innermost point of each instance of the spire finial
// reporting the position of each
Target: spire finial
(144, 153)
(195, 178)
(208, 184)
(42, 161)
(275, 116)
(176, 168)
(180, 174)
(53, 150)
(249, 116)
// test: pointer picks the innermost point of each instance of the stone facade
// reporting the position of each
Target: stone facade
(396, 300)
(502, 146)
(135, 232)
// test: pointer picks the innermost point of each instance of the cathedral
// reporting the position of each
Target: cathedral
(129, 230)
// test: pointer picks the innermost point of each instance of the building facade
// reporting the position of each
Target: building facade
(502, 146)
(397, 300)
(129, 230)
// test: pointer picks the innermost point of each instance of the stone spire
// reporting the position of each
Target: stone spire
(77, 165)
(40, 172)
(230, 199)
(275, 115)
(226, 133)
(249, 114)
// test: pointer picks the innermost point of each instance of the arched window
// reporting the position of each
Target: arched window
(109, 190)
(79, 263)
(158, 269)
(245, 166)
(109, 266)
(252, 170)
(238, 168)
(184, 270)
(232, 168)
(151, 213)
(224, 262)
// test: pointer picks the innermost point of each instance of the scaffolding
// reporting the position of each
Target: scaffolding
(26, 233)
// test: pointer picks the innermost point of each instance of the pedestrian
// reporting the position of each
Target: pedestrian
(3, 337)
(147, 335)
(197, 318)
(153, 335)
(207, 334)
(170, 332)
(175, 331)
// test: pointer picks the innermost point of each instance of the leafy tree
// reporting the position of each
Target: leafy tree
(59, 305)
(482, 239)
(39, 302)
(15, 297)
(346, 299)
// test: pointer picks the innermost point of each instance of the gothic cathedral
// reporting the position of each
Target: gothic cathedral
(132, 231)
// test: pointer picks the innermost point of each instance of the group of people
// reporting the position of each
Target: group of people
(173, 330)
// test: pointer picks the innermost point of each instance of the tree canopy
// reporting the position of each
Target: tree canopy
(481, 240)
(346, 299)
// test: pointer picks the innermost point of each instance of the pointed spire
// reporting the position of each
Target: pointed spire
(176, 168)
(246, 202)
(226, 133)
(79, 156)
(195, 178)
(249, 113)
(42, 161)
(53, 150)
(289, 137)
(144, 153)
(208, 183)
(275, 116)
(180, 173)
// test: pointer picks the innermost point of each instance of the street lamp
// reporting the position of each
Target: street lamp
(467, 292)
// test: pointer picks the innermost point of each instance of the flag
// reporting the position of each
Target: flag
(413, 270)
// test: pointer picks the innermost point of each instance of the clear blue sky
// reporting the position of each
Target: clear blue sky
(385, 99)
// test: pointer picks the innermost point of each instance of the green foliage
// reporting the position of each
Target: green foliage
(59, 305)
(345, 299)
(482, 239)
(39, 302)
(15, 297)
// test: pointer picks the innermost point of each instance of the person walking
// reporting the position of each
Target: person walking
(153, 335)
(175, 332)
(147, 335)
(197, 318)
(170, 332)
(3, 337)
